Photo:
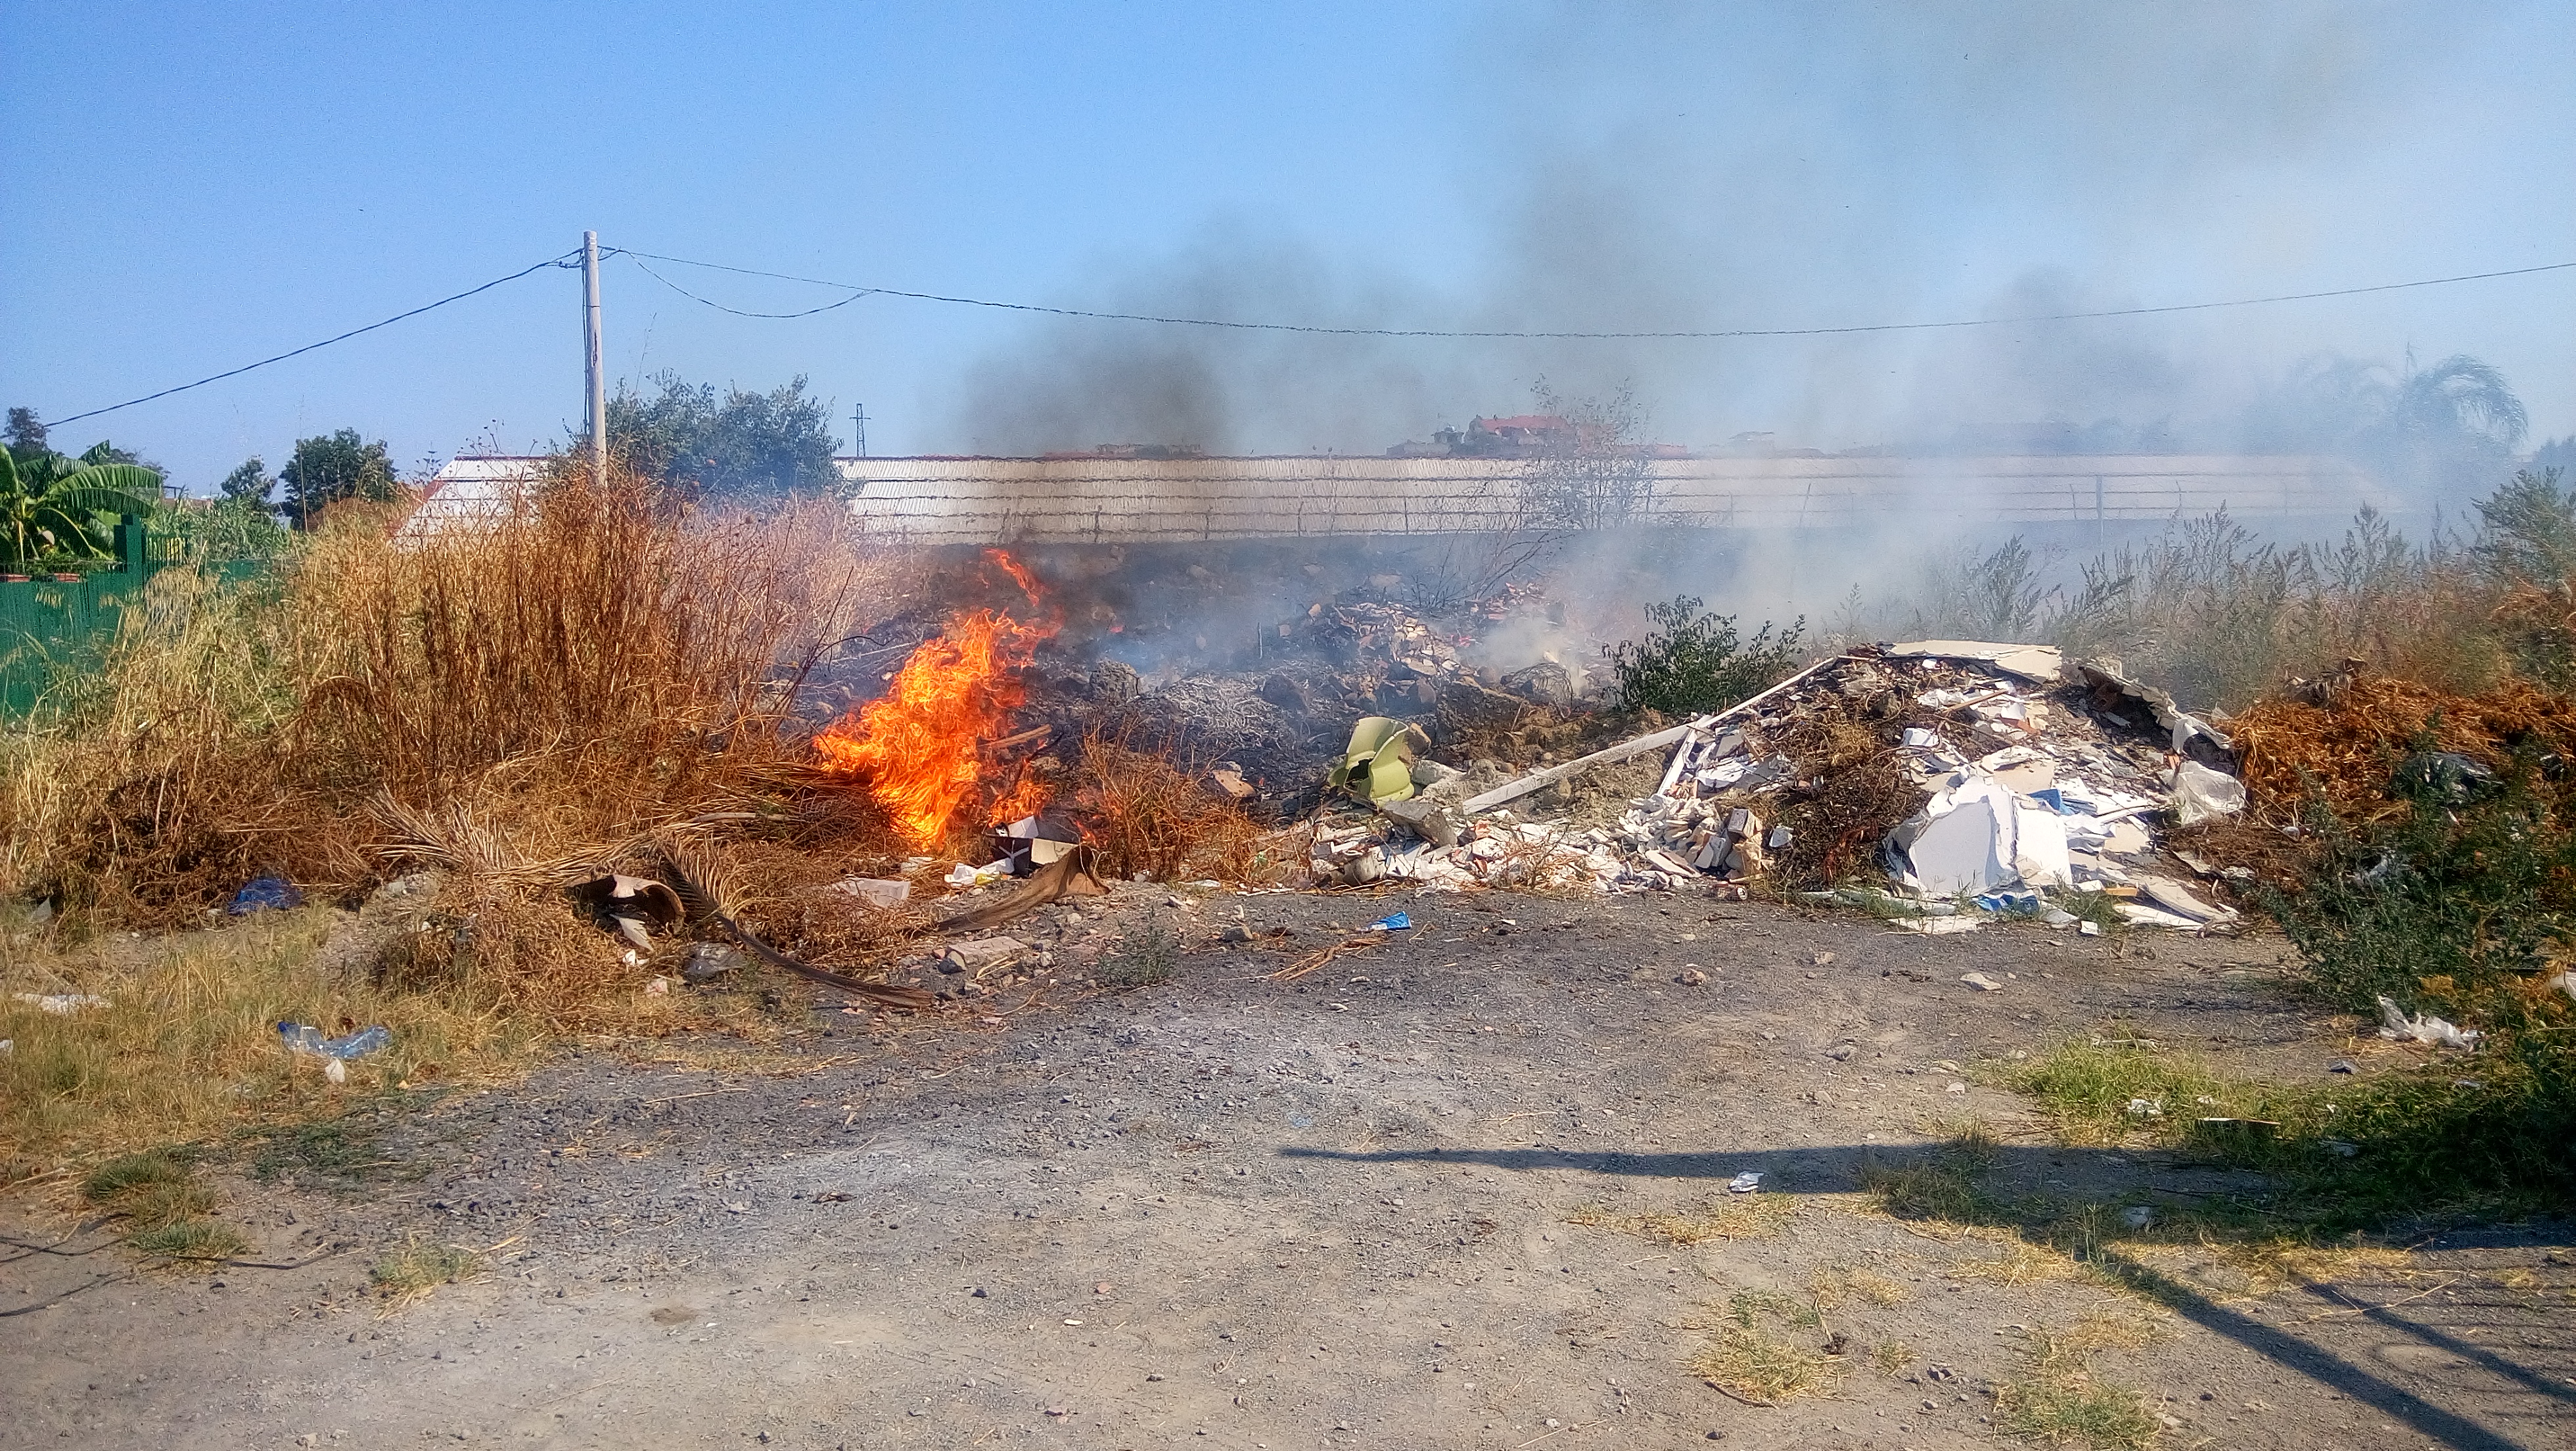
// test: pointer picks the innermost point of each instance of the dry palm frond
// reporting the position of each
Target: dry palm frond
(1314, 960)
(456, 840)
(709, 888)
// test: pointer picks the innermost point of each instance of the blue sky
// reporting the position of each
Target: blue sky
(269, 174)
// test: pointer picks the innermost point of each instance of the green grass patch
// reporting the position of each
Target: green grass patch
(190, 1239)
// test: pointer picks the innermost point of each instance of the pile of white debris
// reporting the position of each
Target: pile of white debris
(2031, 783)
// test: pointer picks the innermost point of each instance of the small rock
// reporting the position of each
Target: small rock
(1102, 1288)
(2342, 1065)
(1841, 1052)
(983, 952)
(1234, 932)
(1824, 959)
(1981, 982)
(1691, 977)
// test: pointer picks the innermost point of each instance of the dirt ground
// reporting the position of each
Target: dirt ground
(1401, 1202)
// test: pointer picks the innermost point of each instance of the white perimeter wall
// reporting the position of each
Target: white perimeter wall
(1125, 501)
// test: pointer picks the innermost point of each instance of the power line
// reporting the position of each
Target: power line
(566, 260)
(738, 312)
(859, 290)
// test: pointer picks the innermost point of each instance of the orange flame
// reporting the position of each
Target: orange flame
(1018, 572)
(919, 746)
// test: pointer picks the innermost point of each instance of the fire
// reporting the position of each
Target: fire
(919, 746)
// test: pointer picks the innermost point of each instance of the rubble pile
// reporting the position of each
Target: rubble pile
(1963, 776)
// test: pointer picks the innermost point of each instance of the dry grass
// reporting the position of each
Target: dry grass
(1836, 1284)
(1146, 814)
(2063, 1403)
(519, 700)
(187, 1047)
(2018, 1262)
(2076, 1411)
(418, 1267)
(187, 1051)
(520, 706)
(2349, 746)
(1752, 1359)
(1727, 1218)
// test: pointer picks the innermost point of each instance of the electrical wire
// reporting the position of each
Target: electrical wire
(738, 312)
(860, 290)
(566, 260)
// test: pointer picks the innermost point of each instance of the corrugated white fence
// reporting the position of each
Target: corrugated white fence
(1124, 501)
(1139, 501)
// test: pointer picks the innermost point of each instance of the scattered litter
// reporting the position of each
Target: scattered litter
(1937, 926)
(2398, 1027)
(2341, 1065)
(2023, 903)
(1392, 922)
(305, 1038)
(2038, 663)
(659, 987)
(2088, 928)
(62, 1005)
(2139, 915)
(2340, 1148)
(875, 891)
(962, 875)
(2137, 1216)
(1981, 982)
(1744, 1183)
(2146, 1108)
(2200, 793)
(1378, 764)
(267, 894)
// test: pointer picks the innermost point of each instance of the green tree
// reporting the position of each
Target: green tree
(335, 466)
(26, 435)
(2445, 433)
(250, 485)
(742, 446)
(51, 506)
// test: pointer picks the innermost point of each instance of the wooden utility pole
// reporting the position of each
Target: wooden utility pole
(598, 385)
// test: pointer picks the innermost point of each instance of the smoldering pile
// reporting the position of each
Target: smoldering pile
(1271, 726)
(1943, 779)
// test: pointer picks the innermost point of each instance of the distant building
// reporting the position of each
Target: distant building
(474, 491)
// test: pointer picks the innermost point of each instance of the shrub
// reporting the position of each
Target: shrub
(1146, 956)
(1145, 814)
(1691, 662)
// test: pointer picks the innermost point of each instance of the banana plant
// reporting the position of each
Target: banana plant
(50, 505)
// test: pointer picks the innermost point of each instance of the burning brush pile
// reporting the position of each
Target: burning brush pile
(1945, 779)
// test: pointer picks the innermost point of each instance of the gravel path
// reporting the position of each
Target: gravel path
(1237, 1212)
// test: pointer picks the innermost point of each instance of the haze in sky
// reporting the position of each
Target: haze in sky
(271, 174)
